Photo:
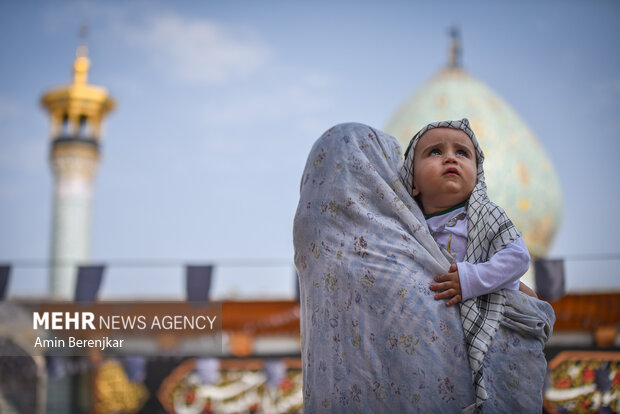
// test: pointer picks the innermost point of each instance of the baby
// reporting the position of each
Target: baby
(444, 166)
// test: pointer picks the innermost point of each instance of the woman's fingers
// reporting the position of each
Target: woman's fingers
(527, 290)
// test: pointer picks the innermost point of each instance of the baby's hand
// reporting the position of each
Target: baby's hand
(450, 286)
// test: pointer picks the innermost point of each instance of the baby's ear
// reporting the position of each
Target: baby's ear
(416, 192)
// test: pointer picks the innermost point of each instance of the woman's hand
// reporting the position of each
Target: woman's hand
(450, 286)
(527, 290)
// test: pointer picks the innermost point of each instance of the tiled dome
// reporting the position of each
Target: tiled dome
(520, 177)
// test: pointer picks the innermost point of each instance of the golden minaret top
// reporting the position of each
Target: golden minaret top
(73, 106)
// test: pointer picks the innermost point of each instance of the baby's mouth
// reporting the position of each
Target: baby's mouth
(451, 171)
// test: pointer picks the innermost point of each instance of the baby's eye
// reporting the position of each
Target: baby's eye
(462, 153)
(435, 151)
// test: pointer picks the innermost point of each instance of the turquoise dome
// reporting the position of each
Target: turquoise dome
(519, 175)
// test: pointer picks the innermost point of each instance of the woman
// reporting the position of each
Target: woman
(373, 337)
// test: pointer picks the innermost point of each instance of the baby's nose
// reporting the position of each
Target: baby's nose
(450, 157)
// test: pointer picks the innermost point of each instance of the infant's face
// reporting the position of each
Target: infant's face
(444, 169)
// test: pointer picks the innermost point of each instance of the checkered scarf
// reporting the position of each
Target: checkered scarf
(488, 230)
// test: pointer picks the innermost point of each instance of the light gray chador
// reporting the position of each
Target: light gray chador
(374, 340)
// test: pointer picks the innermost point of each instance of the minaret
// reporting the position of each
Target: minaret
(76, 111)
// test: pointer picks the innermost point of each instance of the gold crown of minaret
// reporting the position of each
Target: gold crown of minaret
(77, 110)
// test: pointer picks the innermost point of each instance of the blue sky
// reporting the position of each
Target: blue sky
(219, 103)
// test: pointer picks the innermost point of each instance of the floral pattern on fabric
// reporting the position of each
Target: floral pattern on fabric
(373, 337)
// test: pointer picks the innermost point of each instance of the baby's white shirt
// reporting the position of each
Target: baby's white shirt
(502, 271)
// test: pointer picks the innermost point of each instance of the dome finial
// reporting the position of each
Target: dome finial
(456, 50)
(81, 64)
(82, 49)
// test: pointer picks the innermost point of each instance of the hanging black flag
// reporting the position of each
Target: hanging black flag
(549, 278)
(4, 279)
(198, 279)
(88, 282)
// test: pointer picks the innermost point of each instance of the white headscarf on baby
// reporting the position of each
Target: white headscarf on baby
(488, 230)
